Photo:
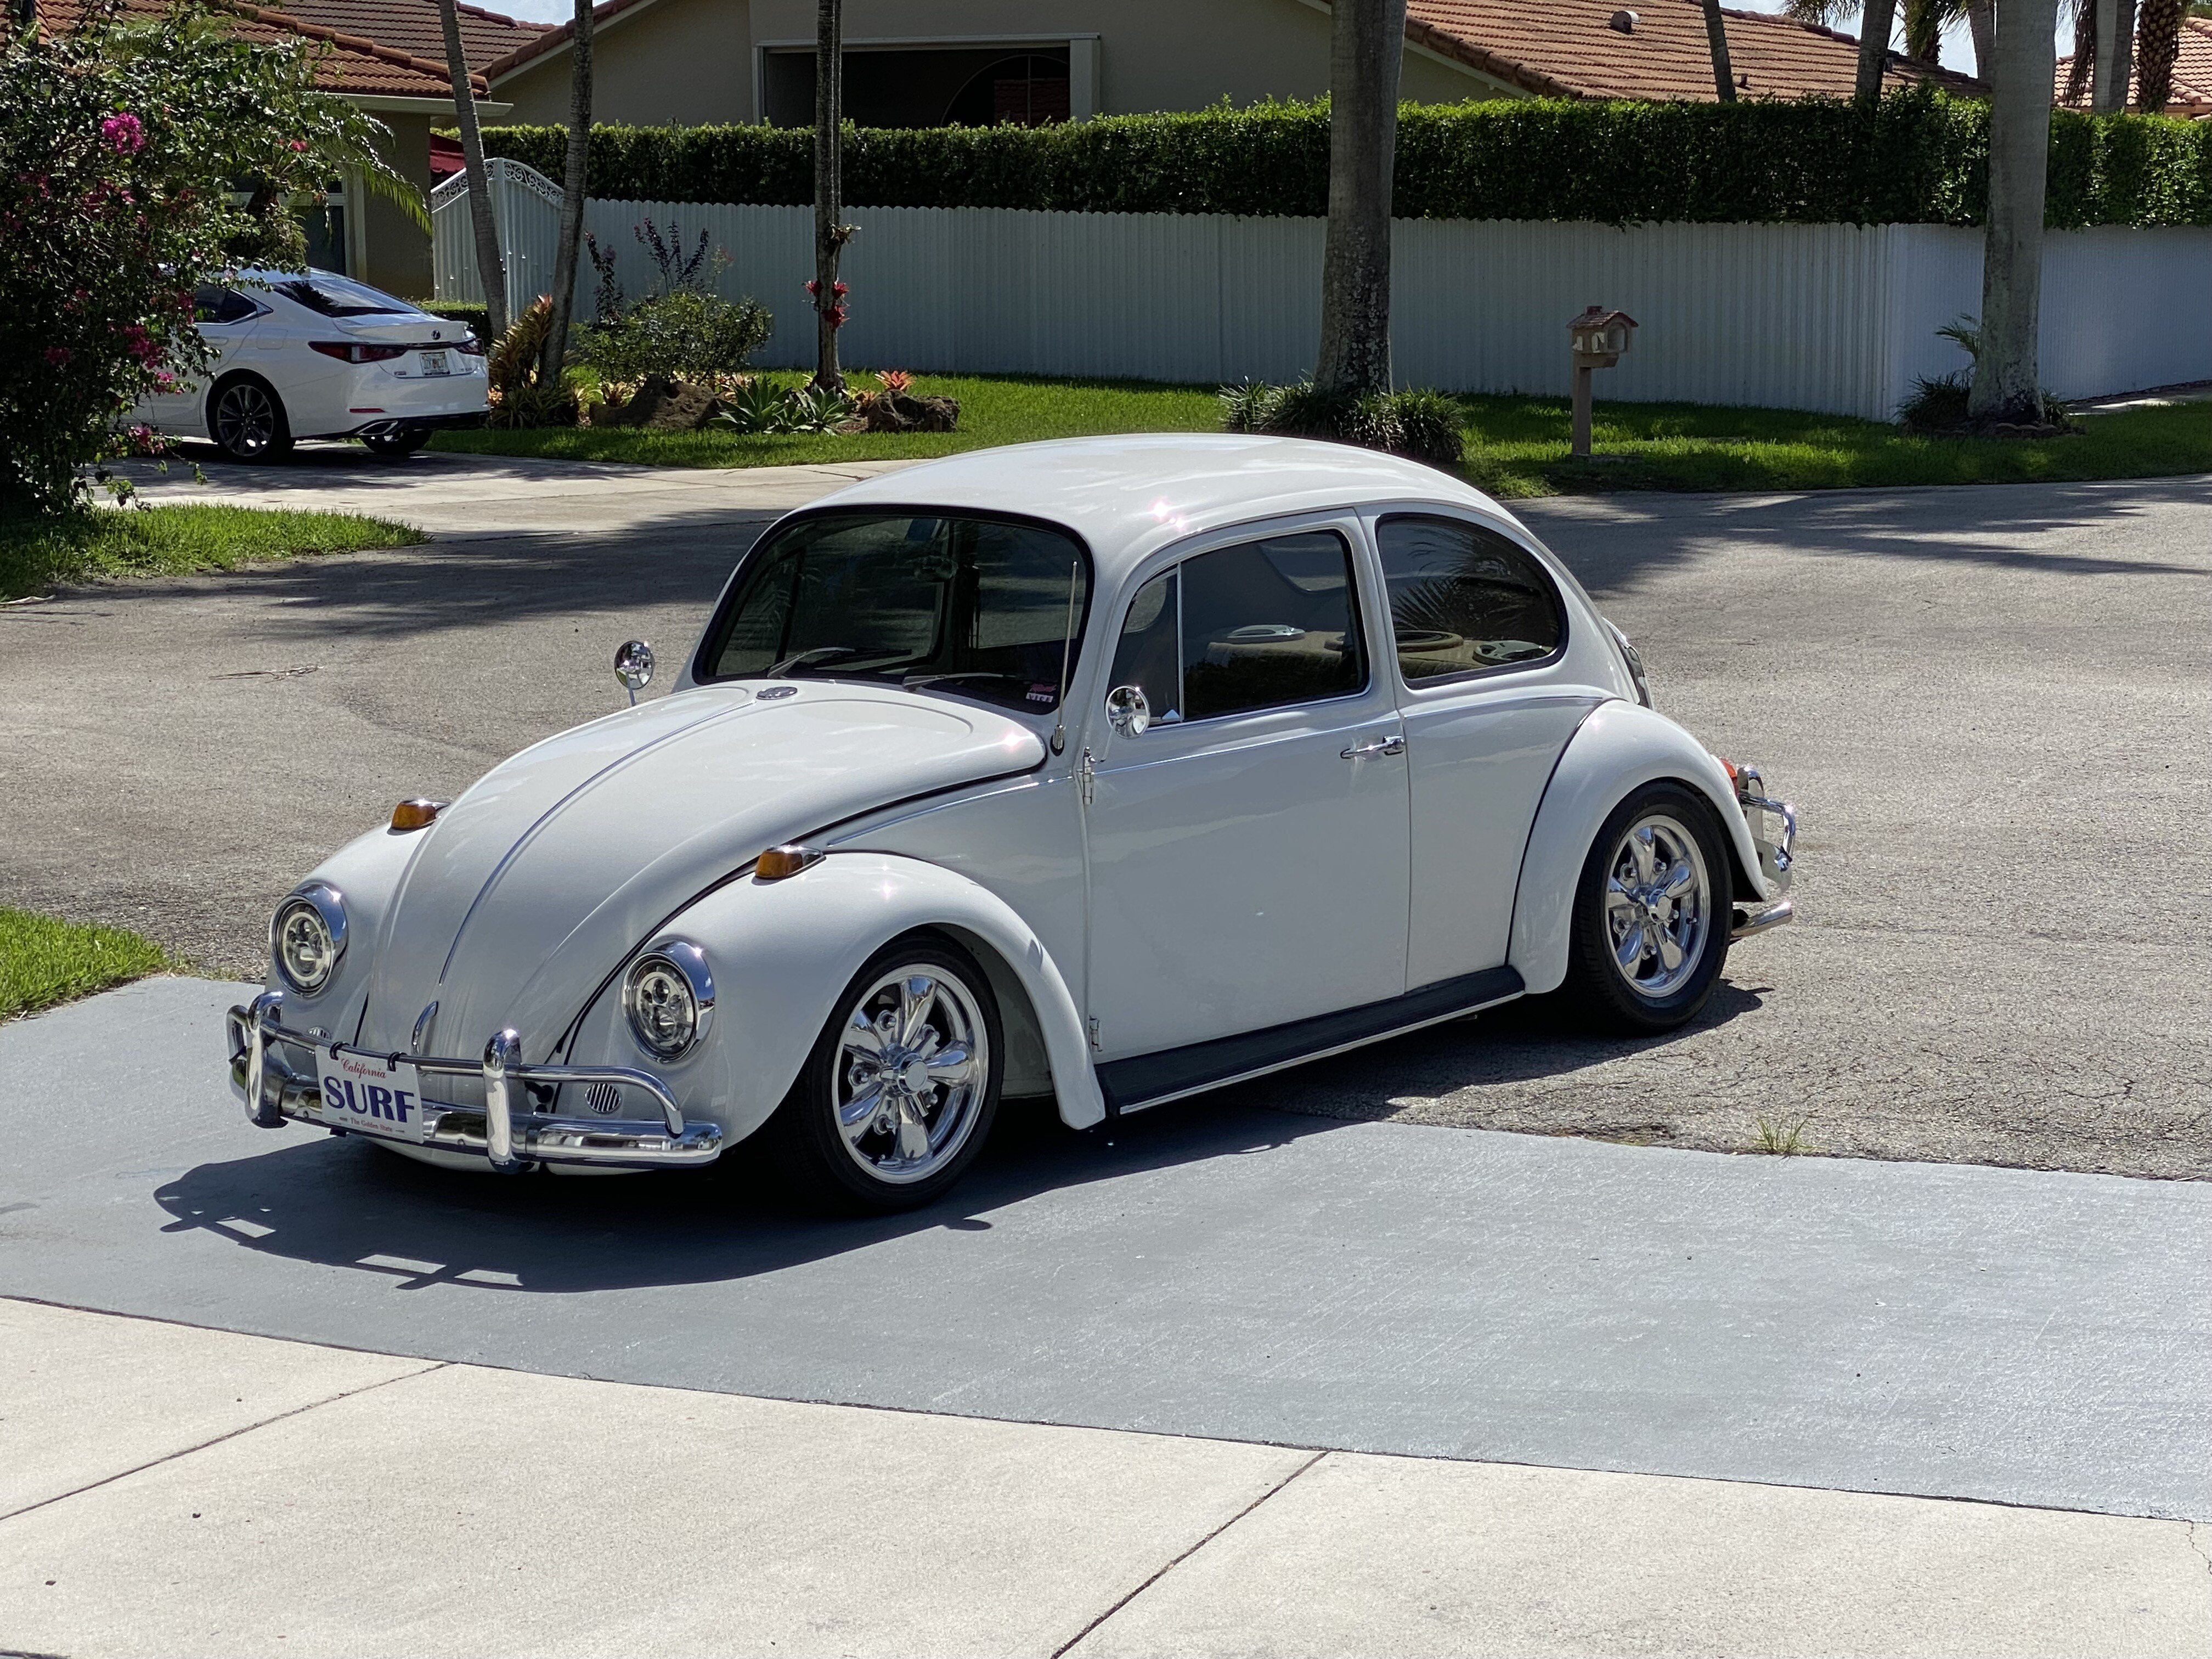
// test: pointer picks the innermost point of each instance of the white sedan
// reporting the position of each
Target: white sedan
(1111, 770)
(312, 355)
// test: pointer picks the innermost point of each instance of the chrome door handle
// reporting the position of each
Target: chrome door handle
(1393, 744)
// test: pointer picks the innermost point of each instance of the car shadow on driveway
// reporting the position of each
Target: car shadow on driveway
(342, 1202)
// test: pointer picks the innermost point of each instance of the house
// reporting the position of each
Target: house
(388, 58)
(931, 62)
(2191, 95)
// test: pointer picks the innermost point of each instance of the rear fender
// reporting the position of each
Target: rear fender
(1621, 747)
(782, 952)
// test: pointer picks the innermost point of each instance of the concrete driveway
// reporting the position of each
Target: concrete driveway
(1990, 702)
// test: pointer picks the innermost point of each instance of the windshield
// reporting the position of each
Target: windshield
(340, 296)
(943, 602)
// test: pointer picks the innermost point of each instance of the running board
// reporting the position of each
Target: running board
(1130, 1085)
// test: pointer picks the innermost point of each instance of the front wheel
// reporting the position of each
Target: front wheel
(1651, 913)
(395, 446)
(247, 421)
(899, 1094)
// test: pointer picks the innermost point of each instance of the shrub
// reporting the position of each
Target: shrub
(117, 154)
(1921, 158)
(679, 334)
(1421, 425)
(757, 406)
(519, 398)
(474, 313)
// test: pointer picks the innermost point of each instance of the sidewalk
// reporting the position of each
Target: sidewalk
(177, 1493)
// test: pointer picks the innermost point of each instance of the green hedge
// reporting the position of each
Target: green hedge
(1923, 158)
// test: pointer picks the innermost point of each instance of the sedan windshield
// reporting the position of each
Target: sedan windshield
(941, 602)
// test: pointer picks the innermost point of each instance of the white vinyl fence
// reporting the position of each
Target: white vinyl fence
(1834, 317)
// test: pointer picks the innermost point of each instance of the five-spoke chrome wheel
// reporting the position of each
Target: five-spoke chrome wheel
(914, 1058)
(247, 422)
(1658, 905)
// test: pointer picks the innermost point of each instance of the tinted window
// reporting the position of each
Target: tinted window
(1263, 625)
(211, 304)
(976, 606)
(341, 296)
(1464, 599)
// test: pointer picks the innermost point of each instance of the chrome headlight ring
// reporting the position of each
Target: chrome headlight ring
(308, 936)
(668, 999)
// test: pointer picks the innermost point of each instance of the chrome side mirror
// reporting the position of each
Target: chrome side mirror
(633, 667)
(1127, 712)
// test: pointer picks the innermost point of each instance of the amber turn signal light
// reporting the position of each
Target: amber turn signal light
(780, 861)
(416, 814)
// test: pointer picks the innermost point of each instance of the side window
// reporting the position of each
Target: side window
(1266, 624)
(211, 304)
(1464, 599)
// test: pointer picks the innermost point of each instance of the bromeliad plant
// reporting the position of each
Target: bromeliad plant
(138, 158)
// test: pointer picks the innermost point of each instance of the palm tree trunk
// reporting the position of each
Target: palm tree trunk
(830, 235)
(1874, 21)
(491, 270)
(571, 199)
(2080, 68)
(2115, 40)
(1367, 49)
(1982, 24)
(1717, 43)
(2158, 41)
(2006, 370)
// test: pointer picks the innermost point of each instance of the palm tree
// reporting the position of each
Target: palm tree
(2006, 386)
(491, 271)
(1924, 23)
(1367, 46)
(1875, 20)
(1716, 40)
(550, 366)
(829, 236)
(2158, 41)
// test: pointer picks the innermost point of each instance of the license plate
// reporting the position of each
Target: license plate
(434, 362)
(369, 1093)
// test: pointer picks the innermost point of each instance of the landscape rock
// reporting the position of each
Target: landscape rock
(661, 405)
(896, 411)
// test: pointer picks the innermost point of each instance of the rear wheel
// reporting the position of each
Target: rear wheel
(246, 418)
(395, 446)
(1651, 913)
(900, 1092)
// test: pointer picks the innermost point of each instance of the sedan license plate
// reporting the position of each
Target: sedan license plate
(370, 1093)
(434, 362)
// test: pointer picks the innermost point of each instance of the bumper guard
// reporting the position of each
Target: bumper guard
(510, 1140)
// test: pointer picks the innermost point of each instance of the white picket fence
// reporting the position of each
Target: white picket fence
(1834, 317)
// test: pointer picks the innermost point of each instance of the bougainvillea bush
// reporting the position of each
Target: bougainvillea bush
(140, 156)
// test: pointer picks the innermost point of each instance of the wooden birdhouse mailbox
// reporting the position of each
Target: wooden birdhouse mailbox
(1597, 338)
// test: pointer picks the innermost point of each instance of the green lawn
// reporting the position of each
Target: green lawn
(162, 541)
(43, 962)
(1517, 446)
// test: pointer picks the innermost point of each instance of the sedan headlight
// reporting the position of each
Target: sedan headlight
(308, 936)
(667, 996)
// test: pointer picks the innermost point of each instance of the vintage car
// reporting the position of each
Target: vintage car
(1111, 770)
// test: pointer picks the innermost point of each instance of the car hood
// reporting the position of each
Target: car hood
(536, 884)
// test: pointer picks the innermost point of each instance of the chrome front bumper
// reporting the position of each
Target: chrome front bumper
(1778, 857)
(510, 1140)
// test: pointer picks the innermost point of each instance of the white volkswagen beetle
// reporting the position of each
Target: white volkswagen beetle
(1114, 769)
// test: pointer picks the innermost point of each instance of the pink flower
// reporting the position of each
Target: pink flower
(57, 356)
(125, 133)
(299, 143)
(839, 290)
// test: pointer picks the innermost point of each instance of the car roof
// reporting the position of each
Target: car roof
(1126, 496)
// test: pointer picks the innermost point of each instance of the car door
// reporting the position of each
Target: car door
(226, 320)
(1248, 849)
(1480, 632)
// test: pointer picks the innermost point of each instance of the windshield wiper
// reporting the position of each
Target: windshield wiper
(799, 659)
(913, 680)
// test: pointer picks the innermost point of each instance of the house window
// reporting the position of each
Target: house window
(924, 86)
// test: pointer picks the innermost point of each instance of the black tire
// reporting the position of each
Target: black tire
(805, 1139)
(395, 446)
(246, 419)
(1652, 997)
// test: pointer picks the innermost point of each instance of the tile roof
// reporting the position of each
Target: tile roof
(353, 65)
(2192, 74)
(1567, 49)
(413, 26)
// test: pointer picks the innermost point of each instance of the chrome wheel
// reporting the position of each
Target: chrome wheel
(245, 419)
(912, 1068)
(1658, 905)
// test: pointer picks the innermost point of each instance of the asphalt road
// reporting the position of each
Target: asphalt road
(1991, 703)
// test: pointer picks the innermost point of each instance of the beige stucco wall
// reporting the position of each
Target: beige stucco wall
(395, 249)
(684, 61)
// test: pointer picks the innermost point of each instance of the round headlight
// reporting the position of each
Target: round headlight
(666, 996)
(308, 937)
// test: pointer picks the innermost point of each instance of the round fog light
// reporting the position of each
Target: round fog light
(666, 996)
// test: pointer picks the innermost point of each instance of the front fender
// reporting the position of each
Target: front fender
(367, 872)
(1621, 747)
(783, 951)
